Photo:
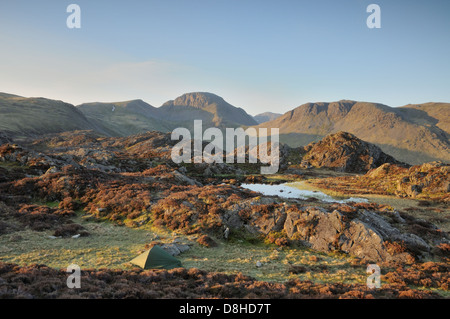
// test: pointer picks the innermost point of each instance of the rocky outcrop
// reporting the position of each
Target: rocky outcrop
(110, 155)
(365, 236)
(33, 160)
(180, 177)
(346, 153)
(429, 180)
(363, 233)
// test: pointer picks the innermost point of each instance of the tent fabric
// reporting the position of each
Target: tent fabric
(156, 258)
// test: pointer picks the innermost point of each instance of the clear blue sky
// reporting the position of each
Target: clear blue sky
(259, 55)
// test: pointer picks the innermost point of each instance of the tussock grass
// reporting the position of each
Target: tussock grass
(108, 246)
(275, 263)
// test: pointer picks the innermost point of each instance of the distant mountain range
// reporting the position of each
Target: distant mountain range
(125, 118)
(266, 117)
(413, 134)
(22, 117)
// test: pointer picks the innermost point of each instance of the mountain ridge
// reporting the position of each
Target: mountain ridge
(398, 131)
(266, 117)
(413, 133)
(126, 118)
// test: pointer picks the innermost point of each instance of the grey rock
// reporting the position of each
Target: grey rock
(208, 172)
(396, 216)
(184, 179)
(175, 249)
(182, 170)
(232, 220)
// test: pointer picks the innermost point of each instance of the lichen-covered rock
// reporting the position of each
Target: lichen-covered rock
(364, 234)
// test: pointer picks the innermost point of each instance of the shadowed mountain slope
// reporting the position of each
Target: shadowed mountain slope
(30, 117)
(410, 134)
(125, 118)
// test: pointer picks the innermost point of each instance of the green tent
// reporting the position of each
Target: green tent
(156, 258)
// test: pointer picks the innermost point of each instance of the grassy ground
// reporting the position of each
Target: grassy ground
(108, 246)
(275, 263)
(112, 246)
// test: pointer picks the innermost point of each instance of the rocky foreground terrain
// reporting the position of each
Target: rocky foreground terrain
(132, 182)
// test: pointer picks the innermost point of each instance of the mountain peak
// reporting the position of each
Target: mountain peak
(208, 107)
(197, 99)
